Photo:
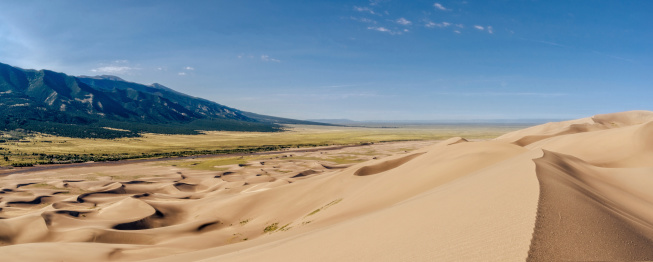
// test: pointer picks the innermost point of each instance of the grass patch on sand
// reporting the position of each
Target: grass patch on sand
(325, 207)
(271, 228)
(275, 227)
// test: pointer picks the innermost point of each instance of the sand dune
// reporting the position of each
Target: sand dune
(590, 213)
(573, 190)
(599, 122)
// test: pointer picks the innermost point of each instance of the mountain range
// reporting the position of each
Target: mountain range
(110, 107)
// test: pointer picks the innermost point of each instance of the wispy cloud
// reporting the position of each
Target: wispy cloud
(375, 2)
(488, 28)
(380, 29)
(440, 6)
(386, 30)
(118, 70)
(263, 58)
(116, 67)
(430, 24)
(403, 21)
(187, 69)
(364, 10)
(267, 58)
(363, 20)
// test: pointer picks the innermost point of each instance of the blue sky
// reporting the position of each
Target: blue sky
(362, 60)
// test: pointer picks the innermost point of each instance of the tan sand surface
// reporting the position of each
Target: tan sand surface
(573, 190)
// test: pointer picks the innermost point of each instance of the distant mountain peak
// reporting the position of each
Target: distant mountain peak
(162, 87)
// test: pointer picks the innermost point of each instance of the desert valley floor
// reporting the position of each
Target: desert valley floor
(573, 190)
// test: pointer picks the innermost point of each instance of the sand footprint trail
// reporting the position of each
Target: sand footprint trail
(583, 215)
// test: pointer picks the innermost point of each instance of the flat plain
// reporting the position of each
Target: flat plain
(19, 149)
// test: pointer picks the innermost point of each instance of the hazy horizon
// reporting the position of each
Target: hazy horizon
(377, 60)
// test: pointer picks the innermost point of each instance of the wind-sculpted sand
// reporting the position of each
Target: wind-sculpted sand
(574, 190)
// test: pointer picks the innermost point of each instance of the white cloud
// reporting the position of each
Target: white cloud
(364, 10)
(120, 70)
(460, 25)
(116, 67)
(439, 6)
(267, 58)
(380, 29)
(456, 31)
(363, 20)
(403, 21)
(441, 25)
(386, 30)
(189, 68)
(182, 73)
(374, 2)
(482, 28)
